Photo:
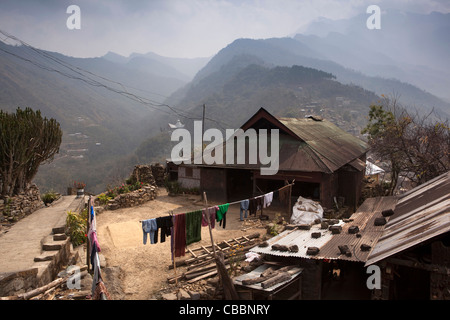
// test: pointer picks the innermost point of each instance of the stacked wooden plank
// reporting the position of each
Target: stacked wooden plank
(201, 264)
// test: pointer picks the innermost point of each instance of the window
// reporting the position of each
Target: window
(188, 172)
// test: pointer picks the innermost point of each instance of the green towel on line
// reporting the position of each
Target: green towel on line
(223, 208)
(193, 226)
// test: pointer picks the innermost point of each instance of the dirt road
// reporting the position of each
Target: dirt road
(144, 268)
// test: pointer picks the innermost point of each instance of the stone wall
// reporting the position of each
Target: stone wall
(143, 173)
(152, 175)
(159, 173)
(132, 199)
(13, 209)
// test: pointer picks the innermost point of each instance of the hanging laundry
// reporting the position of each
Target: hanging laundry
(268, 197)
(149, 227)
(255, 204)
(221, 214)
(99, 290)
(165, 224)
(179, 235)
(94, 251)
(212, 216)
(193, 226)
(92, 212)
(97, 273)
(244, 208)
(94, 242)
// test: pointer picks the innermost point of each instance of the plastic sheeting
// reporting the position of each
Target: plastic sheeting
(305, 211)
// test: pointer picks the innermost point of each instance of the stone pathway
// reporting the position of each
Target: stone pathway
(24, 241)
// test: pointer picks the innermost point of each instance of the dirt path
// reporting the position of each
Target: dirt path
(144, 268)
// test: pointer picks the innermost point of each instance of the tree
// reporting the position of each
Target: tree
(413, 144)
(26, 141)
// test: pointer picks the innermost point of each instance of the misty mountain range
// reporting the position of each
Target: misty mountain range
(114, 110)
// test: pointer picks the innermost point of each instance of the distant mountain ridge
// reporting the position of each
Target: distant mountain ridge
(289, 51)
(181, 68)
(410, 47)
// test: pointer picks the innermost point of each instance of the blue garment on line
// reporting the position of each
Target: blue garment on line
(244, 207)
(149, 227)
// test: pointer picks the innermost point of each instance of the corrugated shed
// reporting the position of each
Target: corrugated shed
(329, 243)
(421, 214)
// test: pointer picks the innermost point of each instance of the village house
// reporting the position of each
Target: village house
(406, 238)
(327, 163)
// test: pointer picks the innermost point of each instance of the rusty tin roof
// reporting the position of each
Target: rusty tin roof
(332, 145)
(305, 144)
(420, 214)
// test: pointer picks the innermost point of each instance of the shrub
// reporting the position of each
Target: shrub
(124, 188)
(104, 198)
(76, 227)
(49, 197)
(172, 187)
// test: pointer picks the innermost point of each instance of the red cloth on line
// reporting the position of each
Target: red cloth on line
(212, 216)
(180, 235)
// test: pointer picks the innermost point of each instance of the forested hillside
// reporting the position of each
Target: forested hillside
(93, 101)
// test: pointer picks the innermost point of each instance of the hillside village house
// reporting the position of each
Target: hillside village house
(326, 162)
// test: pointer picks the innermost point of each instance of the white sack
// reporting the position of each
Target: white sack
(305, 211)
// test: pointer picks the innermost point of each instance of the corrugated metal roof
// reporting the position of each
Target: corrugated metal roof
(305, 145)
(301, 238)
(333, 145)
(421, 214)
(329, 243)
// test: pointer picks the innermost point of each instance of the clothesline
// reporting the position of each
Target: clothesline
(185, 228)
(239, 201)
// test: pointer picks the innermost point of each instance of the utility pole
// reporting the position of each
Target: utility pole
(203, 128)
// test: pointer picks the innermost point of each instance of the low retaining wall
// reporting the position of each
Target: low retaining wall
(12, 209)
(132, 199)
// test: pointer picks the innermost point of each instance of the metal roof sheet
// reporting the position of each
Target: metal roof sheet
(329, 243)
(333, 145)
(305, 144)
(301, 238)
(421, 214)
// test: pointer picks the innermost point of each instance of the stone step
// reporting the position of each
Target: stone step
(46, 256)
(49, 244)
(59, 230)
(59, 236)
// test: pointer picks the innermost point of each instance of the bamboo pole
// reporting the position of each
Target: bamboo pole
(173, 254)
(208, 218)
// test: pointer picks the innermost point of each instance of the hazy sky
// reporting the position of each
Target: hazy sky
(175, 28)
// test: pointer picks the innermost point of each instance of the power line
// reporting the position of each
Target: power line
(81, 76)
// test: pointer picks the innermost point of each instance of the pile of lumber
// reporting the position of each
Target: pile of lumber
(49, 290)
(202, 265)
